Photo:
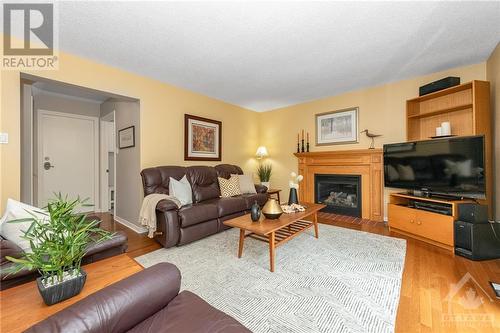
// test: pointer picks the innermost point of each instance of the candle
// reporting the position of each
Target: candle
(298, 137)
(302, 134)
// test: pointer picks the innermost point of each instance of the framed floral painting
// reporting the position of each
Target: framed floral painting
(202, 139)
(337, 127)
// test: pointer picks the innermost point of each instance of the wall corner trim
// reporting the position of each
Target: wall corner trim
(130, 225)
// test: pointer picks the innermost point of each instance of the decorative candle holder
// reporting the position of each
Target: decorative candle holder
(303, 145)
(307, 147)
(298, 147)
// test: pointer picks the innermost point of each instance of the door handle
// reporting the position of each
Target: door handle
(47, 166)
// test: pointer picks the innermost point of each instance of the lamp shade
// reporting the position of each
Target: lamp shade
(261, 152)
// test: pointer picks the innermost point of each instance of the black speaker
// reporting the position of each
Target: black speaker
(473, 213)
(447, 82)
(477, 241)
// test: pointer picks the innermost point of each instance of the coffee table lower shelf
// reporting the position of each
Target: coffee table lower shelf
(278, 237)
(285, 234)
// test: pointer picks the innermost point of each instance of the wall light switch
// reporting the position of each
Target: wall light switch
(4, 137)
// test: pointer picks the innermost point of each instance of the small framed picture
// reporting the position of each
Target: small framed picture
(202, 139)
(337, 127)
(126, 137)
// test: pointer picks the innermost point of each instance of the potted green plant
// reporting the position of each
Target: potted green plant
(264, 172)
(58, 243)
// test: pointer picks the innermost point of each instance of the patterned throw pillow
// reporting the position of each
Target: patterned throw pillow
(229, 187)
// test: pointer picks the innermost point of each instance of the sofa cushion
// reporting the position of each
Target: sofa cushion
(197, 213)
(157, 179)
(261, 199)
(226, 170)
(9, 248)
(14, 231)
(229, 187)
(204, 183)
(181, 189)
(246, 183)
(226, 206)
(189, 313)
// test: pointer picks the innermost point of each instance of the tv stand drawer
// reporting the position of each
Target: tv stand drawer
(437, 227)
(402, 218)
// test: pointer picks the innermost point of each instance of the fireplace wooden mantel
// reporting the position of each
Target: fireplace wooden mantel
(366, 163)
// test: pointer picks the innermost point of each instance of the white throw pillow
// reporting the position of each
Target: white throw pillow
(13, 231)
(461, 168)
(246, 184)
(181, 189)
(406, 172)
(392, 173)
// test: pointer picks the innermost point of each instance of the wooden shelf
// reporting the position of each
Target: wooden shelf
(442, 111)
(443, 92)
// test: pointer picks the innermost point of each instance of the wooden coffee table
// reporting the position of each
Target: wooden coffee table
(23, 307)
(278, 231)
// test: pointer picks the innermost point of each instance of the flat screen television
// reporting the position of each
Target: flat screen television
(451, 166)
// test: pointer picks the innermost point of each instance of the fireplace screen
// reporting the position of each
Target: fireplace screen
(340, 193)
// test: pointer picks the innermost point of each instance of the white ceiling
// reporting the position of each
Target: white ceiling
(265, 55)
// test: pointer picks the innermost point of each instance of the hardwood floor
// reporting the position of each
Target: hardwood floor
(429, 275)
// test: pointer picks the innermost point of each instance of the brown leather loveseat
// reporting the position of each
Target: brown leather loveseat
(95, 251)
(148, 301)
(206, 215)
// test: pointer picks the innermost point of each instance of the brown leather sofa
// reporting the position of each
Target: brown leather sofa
(95, 251)
(148, 301)
(206, 215)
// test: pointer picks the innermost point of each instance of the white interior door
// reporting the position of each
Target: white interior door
(68, 148)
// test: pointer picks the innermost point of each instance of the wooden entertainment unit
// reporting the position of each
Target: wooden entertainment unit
(467, 108)
(431, 227)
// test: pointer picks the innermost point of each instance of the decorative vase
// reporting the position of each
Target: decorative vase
(255, 212)
(272, 209)
(293, 198)
(266, 184)
(63, 290)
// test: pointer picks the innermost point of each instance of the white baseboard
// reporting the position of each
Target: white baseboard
(130, 225)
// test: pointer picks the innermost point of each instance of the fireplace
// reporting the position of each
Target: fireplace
(340, 193)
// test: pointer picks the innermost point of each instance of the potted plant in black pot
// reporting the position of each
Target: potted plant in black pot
(58, 242)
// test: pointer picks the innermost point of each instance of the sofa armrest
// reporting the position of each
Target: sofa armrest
(120, 306)
(166, 205)
(260, 188)
(107, 248)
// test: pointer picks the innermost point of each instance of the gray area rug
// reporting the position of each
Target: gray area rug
(345, 281)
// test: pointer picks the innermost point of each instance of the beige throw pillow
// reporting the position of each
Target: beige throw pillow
(246, 183)
(229, 187)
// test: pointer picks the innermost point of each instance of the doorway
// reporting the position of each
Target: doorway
(108, 163)
(69, 146)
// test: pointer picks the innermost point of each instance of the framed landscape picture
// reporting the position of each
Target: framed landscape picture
(337, 127)
(126, 137)
(202, 139)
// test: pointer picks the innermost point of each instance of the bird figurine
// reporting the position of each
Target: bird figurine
(371, 136)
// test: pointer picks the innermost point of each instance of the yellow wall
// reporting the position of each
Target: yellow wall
(381, 110)
(162, 117)
(493, 75)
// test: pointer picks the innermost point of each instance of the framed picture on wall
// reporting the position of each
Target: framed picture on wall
(337, 127)
(126, 137)
(202, 139)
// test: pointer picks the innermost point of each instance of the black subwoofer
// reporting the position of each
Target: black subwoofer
(477, 241)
